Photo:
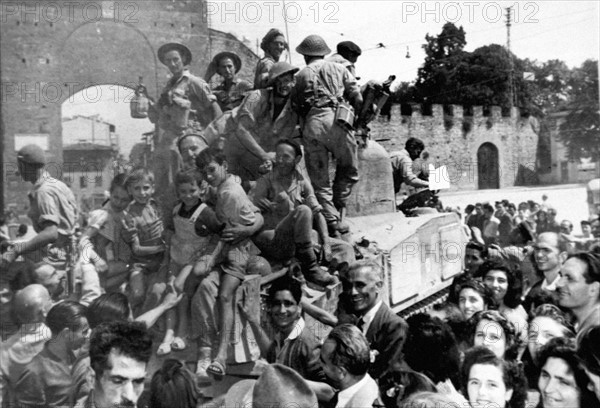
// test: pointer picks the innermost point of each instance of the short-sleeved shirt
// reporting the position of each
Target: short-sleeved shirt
(196, 90)
(46, 381)
(310, 92)
(261, 74)
(337, 58)
(147, 219)
(402, 166)
(233, 207)
(108, 224)
(256, 115)
(299, 192)
(52, 201)
(299, 351)
(229, 99)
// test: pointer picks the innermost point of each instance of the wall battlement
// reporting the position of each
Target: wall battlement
(454, 138)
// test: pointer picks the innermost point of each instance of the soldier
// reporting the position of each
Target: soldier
(230, 92)
(273, 44)
(322, 89)
(53, 211)
(185, 104)
(347, 55)
(264, 117)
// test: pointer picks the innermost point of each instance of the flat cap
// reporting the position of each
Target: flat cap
(348, 47)
(32, 154)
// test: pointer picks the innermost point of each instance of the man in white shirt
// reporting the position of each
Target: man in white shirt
(345, 359)
(362, 301)
(549, 252)
(579, 290)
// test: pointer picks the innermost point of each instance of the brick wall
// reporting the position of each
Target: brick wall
(450, 142)
(51, 50)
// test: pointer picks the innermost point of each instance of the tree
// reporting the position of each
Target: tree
(580, 131)
(443, 53)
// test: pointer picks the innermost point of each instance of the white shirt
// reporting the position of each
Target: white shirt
(550, 286)
(369, 316)
(346, 395)
(300, 324)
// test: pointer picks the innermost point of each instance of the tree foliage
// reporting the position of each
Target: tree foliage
(580, 131)
(451, 75)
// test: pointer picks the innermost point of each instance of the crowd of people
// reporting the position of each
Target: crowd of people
(159, 266)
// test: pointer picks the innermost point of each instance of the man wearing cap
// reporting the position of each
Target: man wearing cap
(320, 88)
(264, 117)
(52, 209)
(230, 92)
(185, 104)
(347, 55)
(184, 91)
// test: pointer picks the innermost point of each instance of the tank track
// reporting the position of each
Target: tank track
(424, 305)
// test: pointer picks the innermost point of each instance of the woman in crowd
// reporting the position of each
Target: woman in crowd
(542, 223)
(507, 285)
(473, 297)
(548, 322)
(563, 383)
(273, 44)
(490, 381)
(589, 355)
(431, 349)
(492, 330)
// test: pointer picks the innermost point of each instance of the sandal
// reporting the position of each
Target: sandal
(163, 349)
(216, 369)
(178, 344)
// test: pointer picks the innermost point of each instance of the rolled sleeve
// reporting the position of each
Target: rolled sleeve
(308, 195)
(48, 208)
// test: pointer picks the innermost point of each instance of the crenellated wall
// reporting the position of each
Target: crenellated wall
(454, 140)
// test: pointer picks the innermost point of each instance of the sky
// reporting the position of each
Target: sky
(542, 30)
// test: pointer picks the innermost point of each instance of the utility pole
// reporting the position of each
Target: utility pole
(511, 74)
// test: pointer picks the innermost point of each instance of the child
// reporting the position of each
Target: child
(144, 227)
(190, 249)
(234, 209)
(101, 243)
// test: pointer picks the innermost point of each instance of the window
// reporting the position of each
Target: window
(98, 181)
(83, 182)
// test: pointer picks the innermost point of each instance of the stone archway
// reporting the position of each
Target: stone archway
(488, 170)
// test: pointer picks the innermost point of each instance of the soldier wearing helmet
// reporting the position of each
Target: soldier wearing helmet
(320, 89)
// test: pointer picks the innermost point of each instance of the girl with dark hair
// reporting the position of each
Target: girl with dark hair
(473, 297)
(173, 386)
(548, 322)
(589, 356)
(563, 383)
(507, 285)
(494, 331)
(431, 349)
(492, 381)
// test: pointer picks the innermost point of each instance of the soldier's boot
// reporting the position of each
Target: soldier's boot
(310, 268)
